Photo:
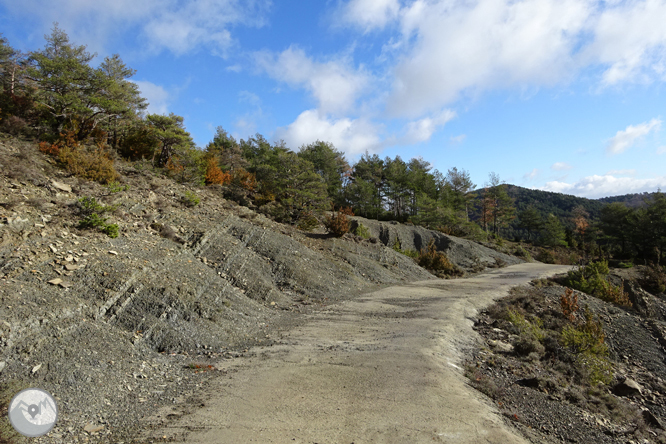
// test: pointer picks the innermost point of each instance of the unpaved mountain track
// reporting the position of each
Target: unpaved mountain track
(383, 368)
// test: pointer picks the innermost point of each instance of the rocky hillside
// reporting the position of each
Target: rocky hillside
(114, 327)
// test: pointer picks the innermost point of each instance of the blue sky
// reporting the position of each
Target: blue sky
(560, 95)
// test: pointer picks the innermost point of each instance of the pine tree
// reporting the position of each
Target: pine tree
(330, 164)
(171, 134)
(74, 96)
(530, 220)
(460, 184)
(553, 233)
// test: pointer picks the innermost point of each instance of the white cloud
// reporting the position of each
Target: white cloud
(353, 136)
(422, 130)
(450, 49)
(624, 139)
(607, 185)
(370, 14)
(560, 166)
(177, 26)
(661, 150)
(459, 139)
(629, 38)
(157, 96)
(334, 83)
(473, 46)
(531, 175)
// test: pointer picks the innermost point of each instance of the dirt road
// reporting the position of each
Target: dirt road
(383, 368)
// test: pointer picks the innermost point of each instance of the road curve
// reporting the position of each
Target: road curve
(382, 368)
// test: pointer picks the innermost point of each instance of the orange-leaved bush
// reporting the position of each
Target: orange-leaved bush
(94, 165)
(569, 304)
(436, 262)
(338, 222)
(244, 179)
(214, 175)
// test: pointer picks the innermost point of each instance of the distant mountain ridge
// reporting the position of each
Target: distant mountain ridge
(561, 204)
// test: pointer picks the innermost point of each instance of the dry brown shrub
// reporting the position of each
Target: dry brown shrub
(244, 179)
(436, 261)
(214, 175)
(48, 148)
(174, 166)
(569, 304)
(94, 165)
(338, 222)
(13, 125)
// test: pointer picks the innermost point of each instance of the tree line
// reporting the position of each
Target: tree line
(87, 116)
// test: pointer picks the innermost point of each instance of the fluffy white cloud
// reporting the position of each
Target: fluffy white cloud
(452, 48)
(629, 38)
(422, 130)
(157, 96)
(335, 84)
(607, 185)
(353, 136)
(473, 46)
(624, 139)
(560, 166)
(178, 26)
(459, 139)
(370, 14)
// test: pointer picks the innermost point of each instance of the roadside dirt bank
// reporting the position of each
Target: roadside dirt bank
(384, 367)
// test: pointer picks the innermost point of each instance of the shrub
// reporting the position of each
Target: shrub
(532, 330)
(436, 262)
(585, 338)
(599, 369)
(244, 180)
(362, 231)
(48, 148)
(546, 256)
(190, 199)
(89, 205)
(569, 304)
(91, 210)
(593, 279)
(307, 221)
(614, 294)
(13, 125)
(214, 175)
(338, 222)
(526, 345)
(94, 165)
(521, 252)
(409, 253)
(587, 342)
(654, 279)
(139, 143)
(116, 187)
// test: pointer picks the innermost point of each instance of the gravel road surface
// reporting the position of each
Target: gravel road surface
(383, 368)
